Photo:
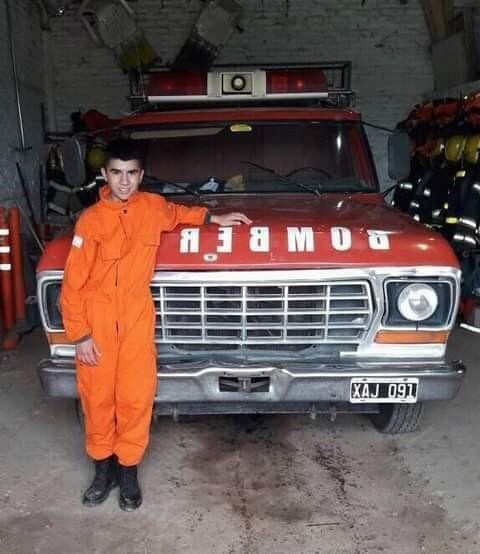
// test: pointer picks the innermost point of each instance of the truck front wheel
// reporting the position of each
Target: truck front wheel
(397, 418)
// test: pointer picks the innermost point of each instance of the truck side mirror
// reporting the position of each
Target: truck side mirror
(398, 155)
(73, 157)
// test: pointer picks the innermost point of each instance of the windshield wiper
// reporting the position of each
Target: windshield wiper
(282, 177)
(150, 180)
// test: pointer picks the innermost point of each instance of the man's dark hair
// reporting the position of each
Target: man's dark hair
(125, 150)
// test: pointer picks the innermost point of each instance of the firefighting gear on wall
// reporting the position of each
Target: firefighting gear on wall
(443, 189)
(106, 296)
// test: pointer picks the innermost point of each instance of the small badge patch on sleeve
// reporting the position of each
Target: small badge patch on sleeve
(77, 241)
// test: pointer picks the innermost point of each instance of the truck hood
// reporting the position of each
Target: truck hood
(292, 231)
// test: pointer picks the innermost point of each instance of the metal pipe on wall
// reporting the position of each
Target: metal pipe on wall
(49, 80)
(49, 72)
(21, 129)
(45, 20)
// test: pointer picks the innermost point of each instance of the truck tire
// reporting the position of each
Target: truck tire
(397, 418)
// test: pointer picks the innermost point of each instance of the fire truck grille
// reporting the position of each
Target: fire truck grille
(252, 314)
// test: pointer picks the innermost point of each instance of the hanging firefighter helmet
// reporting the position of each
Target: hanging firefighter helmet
(96, 157)
(455, 147)
(472, 149)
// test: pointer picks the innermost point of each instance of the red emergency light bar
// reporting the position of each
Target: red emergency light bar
(268, 82)
(195, 83)
(257, 84)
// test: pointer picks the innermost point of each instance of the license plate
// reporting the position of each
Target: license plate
(377, 390)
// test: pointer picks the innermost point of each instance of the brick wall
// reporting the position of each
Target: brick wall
(387, 40)
(28, 45)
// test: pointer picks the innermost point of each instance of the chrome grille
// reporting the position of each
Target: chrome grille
(262, 313)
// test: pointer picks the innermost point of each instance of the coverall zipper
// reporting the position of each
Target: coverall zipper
(116, 286)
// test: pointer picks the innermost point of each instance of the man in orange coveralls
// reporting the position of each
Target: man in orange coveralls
(108, 313)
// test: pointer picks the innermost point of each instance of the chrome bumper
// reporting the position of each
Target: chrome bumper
(297, 384)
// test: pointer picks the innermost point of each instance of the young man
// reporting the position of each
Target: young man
(108, 313)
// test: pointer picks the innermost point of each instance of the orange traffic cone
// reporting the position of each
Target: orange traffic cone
(6, 288)
(17, 267)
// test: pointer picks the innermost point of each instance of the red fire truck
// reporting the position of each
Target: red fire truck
(331, 301)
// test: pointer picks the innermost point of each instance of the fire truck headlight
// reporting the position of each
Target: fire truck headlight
(49, 305)
(417, 302)
(428, 303)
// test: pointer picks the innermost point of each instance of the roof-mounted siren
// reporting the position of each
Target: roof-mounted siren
(240, 84)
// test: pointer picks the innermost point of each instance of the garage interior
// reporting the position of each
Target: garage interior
(237, 483)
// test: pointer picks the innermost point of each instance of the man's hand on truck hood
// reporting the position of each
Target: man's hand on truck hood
(233, 218)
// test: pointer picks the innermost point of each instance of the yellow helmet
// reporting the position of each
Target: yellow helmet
(438, 148)
(96, 158)
(472, 149)
(455, 147)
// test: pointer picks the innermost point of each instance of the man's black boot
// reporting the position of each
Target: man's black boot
(106, 478)
(130, 493)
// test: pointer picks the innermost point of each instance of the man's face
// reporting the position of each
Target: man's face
(123, 178)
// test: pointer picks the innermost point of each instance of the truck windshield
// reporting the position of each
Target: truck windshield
(256, 157)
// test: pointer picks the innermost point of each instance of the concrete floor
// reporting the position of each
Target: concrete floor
(246, 485)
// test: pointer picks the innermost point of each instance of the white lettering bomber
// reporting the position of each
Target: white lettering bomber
(77, 241)
(298, 239)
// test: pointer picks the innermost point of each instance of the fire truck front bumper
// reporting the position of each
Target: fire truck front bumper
(300, 387)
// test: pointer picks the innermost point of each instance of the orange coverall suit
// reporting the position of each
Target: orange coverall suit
(106, 295)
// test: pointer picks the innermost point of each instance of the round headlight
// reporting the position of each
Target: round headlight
(417, 302)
